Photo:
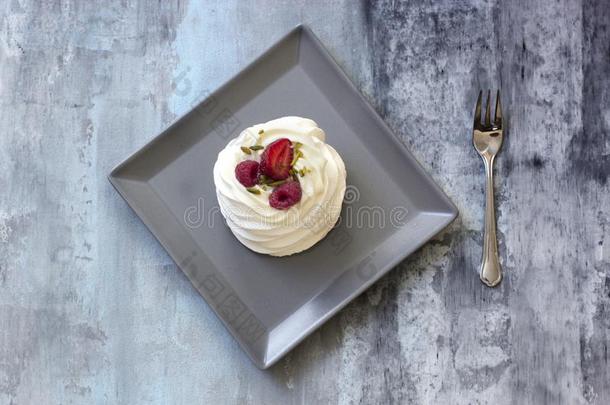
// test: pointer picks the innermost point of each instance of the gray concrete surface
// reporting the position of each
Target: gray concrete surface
(93, 311)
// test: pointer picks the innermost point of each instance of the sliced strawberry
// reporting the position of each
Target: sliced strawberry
(276, 159)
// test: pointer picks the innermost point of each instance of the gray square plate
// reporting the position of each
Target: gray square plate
(270, 304)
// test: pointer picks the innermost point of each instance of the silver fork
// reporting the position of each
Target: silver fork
(487, 139)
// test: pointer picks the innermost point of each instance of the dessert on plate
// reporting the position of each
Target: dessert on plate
(280, 186)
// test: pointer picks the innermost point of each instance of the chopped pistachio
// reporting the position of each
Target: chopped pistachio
(253, 190)
(246, 150)
(269, 182)
(277, 183)
(302, 172)
(262, 131)
(256, 147)
(297, 155)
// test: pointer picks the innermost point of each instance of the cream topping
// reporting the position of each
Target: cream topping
(252, 220)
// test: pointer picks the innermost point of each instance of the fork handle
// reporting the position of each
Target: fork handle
(491, 273)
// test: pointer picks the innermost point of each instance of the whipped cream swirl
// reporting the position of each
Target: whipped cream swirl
(252, 220)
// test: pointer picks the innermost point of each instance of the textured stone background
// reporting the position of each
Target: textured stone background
(92, 310)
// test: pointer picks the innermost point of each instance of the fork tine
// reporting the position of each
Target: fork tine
(498, 115)
(477, 111)
(488, 109)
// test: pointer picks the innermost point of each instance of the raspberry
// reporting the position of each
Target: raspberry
(276, 159)
(246, 173)
(286, 195)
